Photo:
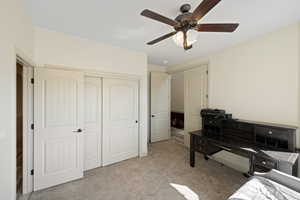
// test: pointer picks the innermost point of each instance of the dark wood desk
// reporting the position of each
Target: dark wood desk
(209, 144)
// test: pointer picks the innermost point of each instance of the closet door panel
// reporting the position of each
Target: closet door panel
(120, 120)
(93, 123)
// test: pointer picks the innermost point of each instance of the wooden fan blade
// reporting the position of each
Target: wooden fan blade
(162, 38)
(216, 27)
(155, 16)
(204, 7)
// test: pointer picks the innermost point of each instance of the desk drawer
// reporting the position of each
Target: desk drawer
(273, 132)
(199, 144)
(203, 146)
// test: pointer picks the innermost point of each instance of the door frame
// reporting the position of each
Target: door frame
(28, 132)
(28, 146)
(186, 134)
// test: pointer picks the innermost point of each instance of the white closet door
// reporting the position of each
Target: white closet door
(120, 120)
(160, 106)
(195, 99)
(58, 118)
(92, 123)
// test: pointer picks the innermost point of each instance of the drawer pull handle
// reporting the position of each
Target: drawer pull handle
(270, 132)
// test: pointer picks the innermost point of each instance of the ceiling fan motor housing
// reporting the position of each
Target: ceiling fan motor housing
(185, 19)
(185, 8)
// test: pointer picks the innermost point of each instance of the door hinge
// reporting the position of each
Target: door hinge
(32, 172)
(206, 71)
(207, 96)
(32, 80)
(32, 126)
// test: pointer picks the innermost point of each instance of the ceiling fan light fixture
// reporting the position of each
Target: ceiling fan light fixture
(186, 25)
(191, 38)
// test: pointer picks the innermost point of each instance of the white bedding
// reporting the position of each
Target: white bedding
(259, 188)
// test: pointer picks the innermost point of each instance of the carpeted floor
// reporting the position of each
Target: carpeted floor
(164, 174)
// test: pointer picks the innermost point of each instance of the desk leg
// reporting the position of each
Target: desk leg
(192, 152)
(192, 158)
(206, 157)
(251, 167)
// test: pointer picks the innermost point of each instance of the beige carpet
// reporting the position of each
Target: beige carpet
(164, 174)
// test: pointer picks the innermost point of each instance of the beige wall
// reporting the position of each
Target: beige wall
(54, 48)
(16, 36)
(177, 92)
(62, 50)
(256, 80)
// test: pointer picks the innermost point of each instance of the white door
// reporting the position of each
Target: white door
(120, 120)
(58, 118)
(92, 122)
(160, 106)
(195, 99)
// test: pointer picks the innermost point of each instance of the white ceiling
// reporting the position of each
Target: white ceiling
(118, 22)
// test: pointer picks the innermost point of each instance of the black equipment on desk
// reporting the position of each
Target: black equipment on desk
(212, 120)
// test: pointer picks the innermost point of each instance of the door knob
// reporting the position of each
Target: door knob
(153, 116)
(78, 131)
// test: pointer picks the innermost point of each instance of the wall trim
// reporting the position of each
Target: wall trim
(22, 58)
(95, 73)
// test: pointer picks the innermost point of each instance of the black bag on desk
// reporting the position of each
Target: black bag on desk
(212, 120)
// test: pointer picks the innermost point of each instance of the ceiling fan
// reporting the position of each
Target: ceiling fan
(186, 24)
